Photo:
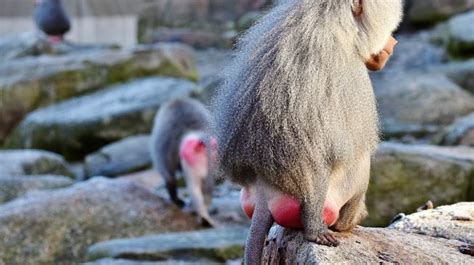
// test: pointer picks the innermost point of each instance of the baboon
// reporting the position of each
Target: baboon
(51, 18)
(180, 141)
(296, 118)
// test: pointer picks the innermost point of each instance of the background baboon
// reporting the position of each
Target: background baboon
(180, 141)
(297, 119)
(52, 19)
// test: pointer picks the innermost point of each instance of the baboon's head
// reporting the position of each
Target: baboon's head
(376, 20)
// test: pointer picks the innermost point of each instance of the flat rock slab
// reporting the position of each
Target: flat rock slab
(404, 177)
(13, 187)
(428, 12)
(56, 227)
(32, 162)
(79, 126)
(218, 245)
(31, 83)
(461, 132)
(126, 156)
(134, 262)
(451, 222)
(363, 246)
(419, 104)
(461, 35)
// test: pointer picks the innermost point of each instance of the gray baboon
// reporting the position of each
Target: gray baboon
(296, 119)
(180, 140)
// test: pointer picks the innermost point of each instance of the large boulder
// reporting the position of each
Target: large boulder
(12, 187)
(419, 104)
(36, 82)
(126, 156)
(429, 12)
(212, 245)
(32, 162)
(363, 246)
(404, 177)
(79, 126)
(461, 132)
(450, 222)
(56, 227)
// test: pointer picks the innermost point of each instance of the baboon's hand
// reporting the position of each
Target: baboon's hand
(326, 238)
(377, 62)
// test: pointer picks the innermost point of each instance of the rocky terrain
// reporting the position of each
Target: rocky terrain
(76, 184)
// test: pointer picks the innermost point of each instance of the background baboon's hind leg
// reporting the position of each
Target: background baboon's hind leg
(351, 214)
(171, 186)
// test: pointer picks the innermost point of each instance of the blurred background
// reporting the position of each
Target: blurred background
(79, 107)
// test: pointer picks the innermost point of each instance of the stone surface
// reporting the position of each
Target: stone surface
(462, 73)
(32, 162)
(30, 83)
(461, 35)
(419, 104)
(461, 132)
(450, 222)
(134, 262)
(81, 125)
(403, 177)
(13, 187)
(428, 12)
(36, 44)
(56, 227)
(199, 23)
(363, 246)
(126, 156)
(215, 245)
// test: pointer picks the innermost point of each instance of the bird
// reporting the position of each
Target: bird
(51, 18)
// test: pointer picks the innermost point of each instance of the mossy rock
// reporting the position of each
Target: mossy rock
(404, 177)
(79, 126)
(33, 83)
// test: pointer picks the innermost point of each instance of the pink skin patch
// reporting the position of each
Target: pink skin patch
(55, 39)
(192, 151)
(286, 210)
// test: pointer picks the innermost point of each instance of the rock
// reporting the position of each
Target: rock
(363, 246)
(461, 35)
(248, 19)
(32, 162)
(428, 12)
(419, 104)
(461, 132)
(462, 73)
(13, 187)
(199, 39)
(126, 156)
(132, 262)
(450, 222)
(56, 227)
(199, 23)
(36, 44)
(212, 245)
(31, 83)
(79, 126)
(404, 177)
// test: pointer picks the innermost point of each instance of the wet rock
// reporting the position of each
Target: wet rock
(31, 83)
(404, 177)
(13, 187)
(450, 222)
(79, 126)
(56, 227)
(126, 156)
(32, 162)
(363, 246)
(212, 245)
(428, 12)
(461, 132)
(419, 104)
(461, 35)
